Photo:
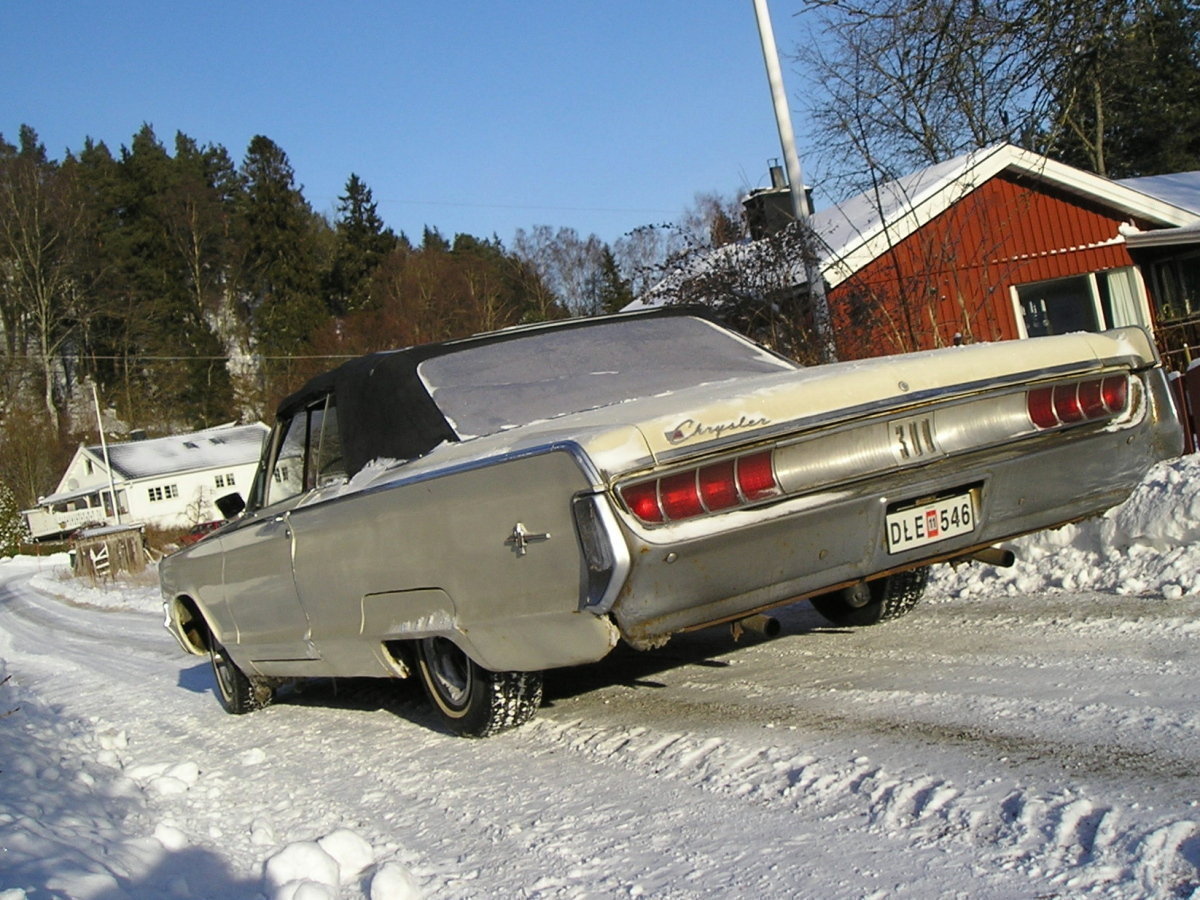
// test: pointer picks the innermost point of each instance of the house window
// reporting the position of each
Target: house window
(165, 492)
(1092, 302)
(229, 479)
(225, 480)
(220, 479)
(1177, 286)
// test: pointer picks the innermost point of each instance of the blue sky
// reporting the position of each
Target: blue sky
(468, 116)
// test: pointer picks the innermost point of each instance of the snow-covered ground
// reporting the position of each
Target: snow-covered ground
(1032, 732)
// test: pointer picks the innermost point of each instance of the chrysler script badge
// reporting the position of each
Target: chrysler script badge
(690, 428)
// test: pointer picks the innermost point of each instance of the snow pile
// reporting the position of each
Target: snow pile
(128, 591)
(82, 818)
(1148, 546)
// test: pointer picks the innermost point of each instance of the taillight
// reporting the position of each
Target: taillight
(1079, 401)
(705, 489)
(756, 476)
(718, 487)
(680, 496)
(642, 500)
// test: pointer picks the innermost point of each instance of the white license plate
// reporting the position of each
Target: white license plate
(930, 522)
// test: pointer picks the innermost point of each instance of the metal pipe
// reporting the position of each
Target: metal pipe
(763, 626)
(787, 140)
(995, 556)
(112, 487)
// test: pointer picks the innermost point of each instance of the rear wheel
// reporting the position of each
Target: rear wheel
(871, 602)
(237, 692)
(472, 701)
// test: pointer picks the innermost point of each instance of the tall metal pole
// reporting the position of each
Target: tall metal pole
(112, 487)
(787, 141)
(783, 116)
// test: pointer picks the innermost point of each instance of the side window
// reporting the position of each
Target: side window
(309, 455)
(287, 475)
(329, 468)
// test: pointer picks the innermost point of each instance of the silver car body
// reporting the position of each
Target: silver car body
(512, 529)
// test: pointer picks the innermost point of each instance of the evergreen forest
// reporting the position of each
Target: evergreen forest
(192, 289)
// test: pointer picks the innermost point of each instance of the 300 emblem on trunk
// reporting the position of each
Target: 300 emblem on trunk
(690, 428)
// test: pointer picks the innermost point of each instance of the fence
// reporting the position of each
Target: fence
(1186, 387)
(101, 553)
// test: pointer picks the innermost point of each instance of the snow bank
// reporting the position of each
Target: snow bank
(132, 591)
(1148, 546)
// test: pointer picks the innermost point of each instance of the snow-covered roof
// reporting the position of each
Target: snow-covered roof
(224, 445)
(1180, 188)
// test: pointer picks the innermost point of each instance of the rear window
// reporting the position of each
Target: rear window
(539, 376)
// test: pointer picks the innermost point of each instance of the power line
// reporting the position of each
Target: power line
(144, 358)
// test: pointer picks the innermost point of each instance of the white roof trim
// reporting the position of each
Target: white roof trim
(1184, 235)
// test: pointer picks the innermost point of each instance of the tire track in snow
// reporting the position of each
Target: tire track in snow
(1064, 838)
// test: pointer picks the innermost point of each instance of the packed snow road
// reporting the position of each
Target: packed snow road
(1010, 738)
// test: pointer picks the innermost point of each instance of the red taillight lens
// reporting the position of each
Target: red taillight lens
(680, 496)
(1066, 404)
(1040, 402)
(718, 488)
(711, 488)
(642, 500)
(1091, 400)
(756, 476)
(1079, 401)
(1115, 390)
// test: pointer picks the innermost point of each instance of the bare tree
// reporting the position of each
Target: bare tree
(912, 82)
(571, 266)
(40, 219)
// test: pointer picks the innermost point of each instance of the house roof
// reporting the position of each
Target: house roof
(858, 230)
(212, 448)
(1180, 188)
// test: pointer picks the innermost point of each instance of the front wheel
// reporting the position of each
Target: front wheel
(871, 602)
(237, 692)
(472, 701)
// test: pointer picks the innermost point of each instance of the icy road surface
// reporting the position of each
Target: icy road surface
(1020, 734)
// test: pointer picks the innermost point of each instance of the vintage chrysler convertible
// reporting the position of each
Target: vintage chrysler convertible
(479, 511)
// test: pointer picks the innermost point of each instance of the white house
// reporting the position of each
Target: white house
(165, 482)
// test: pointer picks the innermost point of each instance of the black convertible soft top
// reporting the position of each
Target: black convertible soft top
(384, 410)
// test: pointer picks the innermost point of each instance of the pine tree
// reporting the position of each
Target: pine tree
(1136, 108)
(361, 244)
(614, 292)
(281, 277)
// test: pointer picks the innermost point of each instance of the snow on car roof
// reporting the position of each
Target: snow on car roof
(556, 373)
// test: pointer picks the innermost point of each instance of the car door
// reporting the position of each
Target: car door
(272, 624)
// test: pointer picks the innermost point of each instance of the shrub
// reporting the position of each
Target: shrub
(12, 526)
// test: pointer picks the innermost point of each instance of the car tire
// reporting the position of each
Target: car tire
(872, 602)
(238, 693)
(472, 701)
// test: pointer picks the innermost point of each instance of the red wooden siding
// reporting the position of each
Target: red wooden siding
(954, 273)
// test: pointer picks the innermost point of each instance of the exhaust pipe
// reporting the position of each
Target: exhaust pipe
(763, 626)
(994, 556)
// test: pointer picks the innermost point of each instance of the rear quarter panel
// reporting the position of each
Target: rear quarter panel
(374, 566)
